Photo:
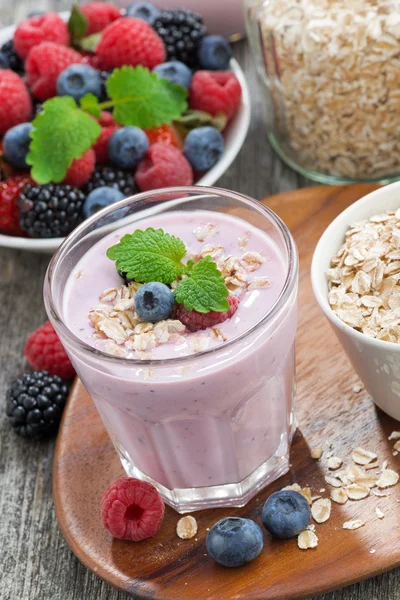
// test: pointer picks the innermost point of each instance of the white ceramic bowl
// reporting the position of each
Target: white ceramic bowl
(234, 135)
(376, 362)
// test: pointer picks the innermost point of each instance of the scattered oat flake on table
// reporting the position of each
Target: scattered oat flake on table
(356, 491)
(356, 524)
(397, 446)
(362, 456)
(372, 551)
(316, 453)
(379, 513)
(395, 435)
(374, 465)
(321, 510)
(388, 478)
(339, 496)
(334, 462)
(186, 527)
(384, 465)
(357, 388)
(307, 539)
(333, 481)
(380, 494)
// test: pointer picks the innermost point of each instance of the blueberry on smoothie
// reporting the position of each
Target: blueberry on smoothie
(204, 147)
(285, 514)
(16, 145)
(214, 53)
(127, 146)
(233, 541)
(78, 80)
(176, 72)
(154, 302)
(143, 10)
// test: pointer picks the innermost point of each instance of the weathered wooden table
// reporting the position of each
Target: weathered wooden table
(36, 562)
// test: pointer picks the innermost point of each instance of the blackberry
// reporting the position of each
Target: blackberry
(35, 403)
(112, 177)
(182, 31)
(16, 64)
(51, 210)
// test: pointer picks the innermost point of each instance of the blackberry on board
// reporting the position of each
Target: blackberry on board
(112, 177)
(51, 210)
(181, 31)
(35, 403)
(16, 64)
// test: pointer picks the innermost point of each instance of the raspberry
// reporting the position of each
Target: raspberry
(106, 119)
(215, 92)
(99, 15)
(132, 509)
(45, 28)
(166, 134)
(163, 166)
(81, 169)
(43, 66)
(16, 103)
(101, 146)
(130, 42)
(10, 190)
(195, 321)
(45, 352)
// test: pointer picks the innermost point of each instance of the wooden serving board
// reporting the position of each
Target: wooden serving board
(166, 567)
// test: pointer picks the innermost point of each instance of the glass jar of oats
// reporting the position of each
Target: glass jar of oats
(332, 70)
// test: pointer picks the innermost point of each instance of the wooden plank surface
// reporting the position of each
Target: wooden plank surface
(36, 561)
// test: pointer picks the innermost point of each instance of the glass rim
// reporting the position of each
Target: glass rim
(287, 288)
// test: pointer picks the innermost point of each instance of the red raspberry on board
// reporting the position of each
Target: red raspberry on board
(166, 134)
(81, 169)
(194, 321)
(45, 352)
(101, 146)
(99, 15)
(215, 92)
(15, 101)
(10, 190)
(130, 42)
(45, 28)
(163, 166)
(132, 509)
(43, 66)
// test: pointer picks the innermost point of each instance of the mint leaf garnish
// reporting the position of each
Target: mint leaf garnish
(204, 289)
(142, 99)
(191, 119)
(60, 134)
(149, 255)
(77, 24)
(90, 104)
(90, 43)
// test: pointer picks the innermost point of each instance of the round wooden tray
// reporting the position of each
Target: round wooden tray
(165, 567)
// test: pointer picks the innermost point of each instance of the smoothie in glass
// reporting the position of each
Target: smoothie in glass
(207, 416)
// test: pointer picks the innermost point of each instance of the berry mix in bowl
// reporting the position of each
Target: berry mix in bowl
(100, 104)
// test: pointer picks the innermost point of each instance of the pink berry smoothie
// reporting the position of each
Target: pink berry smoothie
(203, 411)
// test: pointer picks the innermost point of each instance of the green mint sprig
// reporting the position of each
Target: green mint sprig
(64, 131)
(77, 25)
(152, 255)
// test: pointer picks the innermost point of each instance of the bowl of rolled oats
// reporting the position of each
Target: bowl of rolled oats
(355, 275)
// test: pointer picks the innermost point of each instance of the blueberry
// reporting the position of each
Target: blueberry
(214, 53)
(154, 302)
(127, 146)
(78, 80)
(4, 62)
(16, 145)
(204, 147)
(285, 514)
(176, 72)
(233, 541)
(143, 10)
(100, 198)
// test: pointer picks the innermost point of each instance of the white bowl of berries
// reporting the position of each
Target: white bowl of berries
(98, 105)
